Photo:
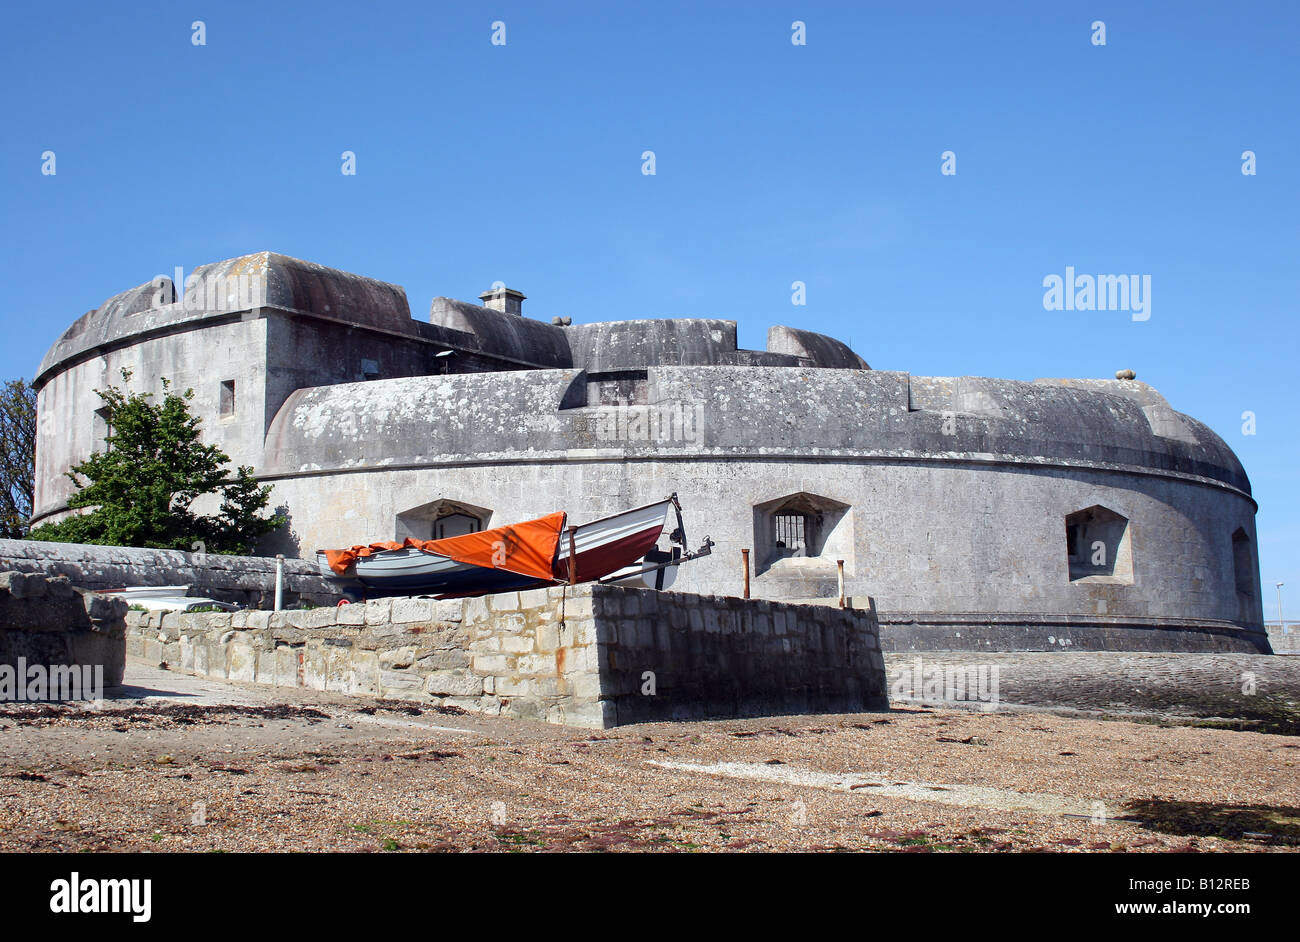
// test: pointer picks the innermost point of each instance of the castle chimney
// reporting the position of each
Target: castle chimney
(506, 300)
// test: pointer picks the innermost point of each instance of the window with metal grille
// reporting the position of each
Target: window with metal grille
(455, 525)
(790, 535)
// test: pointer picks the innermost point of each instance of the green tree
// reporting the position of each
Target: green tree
(154, 467)
(17, 456)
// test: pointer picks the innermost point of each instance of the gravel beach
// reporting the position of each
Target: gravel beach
(178, 763)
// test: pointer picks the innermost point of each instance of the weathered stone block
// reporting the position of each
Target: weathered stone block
(491, 663)
(400, 683)
(547, 638)
(150, 648)
(550, 686)
(354, 614)
(202, 657)
(523, 708)
(517, 644)
(454, 683)
(287, 661)
(489, 705)
(444, 660)
(243, 662)
(513, 686)
(338, 669)
(536, 664)
(577, 608)
(264, 670)
(535, 598)
(576, 631)
(590, 715)
(449, 611)
(313, 668)
(412, 610)
(312, 618)
(23, 585)
(584, 685)
(487, 645)
(397, 658)
(475, 610)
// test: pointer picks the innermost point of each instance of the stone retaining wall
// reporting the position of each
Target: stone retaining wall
(243, 580)
(938, 631)
(1284, 639)
(708, 656)
(47, 623)
(575, 656)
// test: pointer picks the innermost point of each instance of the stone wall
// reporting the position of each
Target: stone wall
(971, 524)
(48, 622)
(576, 656)
(938, 631)
(724, 656)
(1285, 639)
(245, 580)
(903, 632)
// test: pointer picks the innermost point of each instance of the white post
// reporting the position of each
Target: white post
(279, 580)
(1281, 622)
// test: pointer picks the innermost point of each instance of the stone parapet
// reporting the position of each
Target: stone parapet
(243, 580)
(47, 623)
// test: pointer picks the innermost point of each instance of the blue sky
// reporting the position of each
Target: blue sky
(774, 163)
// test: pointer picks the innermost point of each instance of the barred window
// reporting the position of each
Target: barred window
(455, 525)
(790, 534)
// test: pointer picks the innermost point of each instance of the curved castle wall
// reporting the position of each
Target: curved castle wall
(922, 539)
(973, 511)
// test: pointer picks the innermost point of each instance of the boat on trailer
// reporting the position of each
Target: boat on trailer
(546, 551)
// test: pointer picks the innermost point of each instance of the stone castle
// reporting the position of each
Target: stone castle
(972, 512)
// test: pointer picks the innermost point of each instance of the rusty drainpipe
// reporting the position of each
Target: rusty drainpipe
(744, 556)
(573, 555)
(839, 565)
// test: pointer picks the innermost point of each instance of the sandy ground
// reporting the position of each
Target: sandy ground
(180, 763)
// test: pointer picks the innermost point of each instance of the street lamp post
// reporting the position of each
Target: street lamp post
(1281, 622)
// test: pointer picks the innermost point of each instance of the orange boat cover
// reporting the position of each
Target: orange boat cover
(527, 548)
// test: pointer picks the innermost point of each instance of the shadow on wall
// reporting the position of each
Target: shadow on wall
(284, 540)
